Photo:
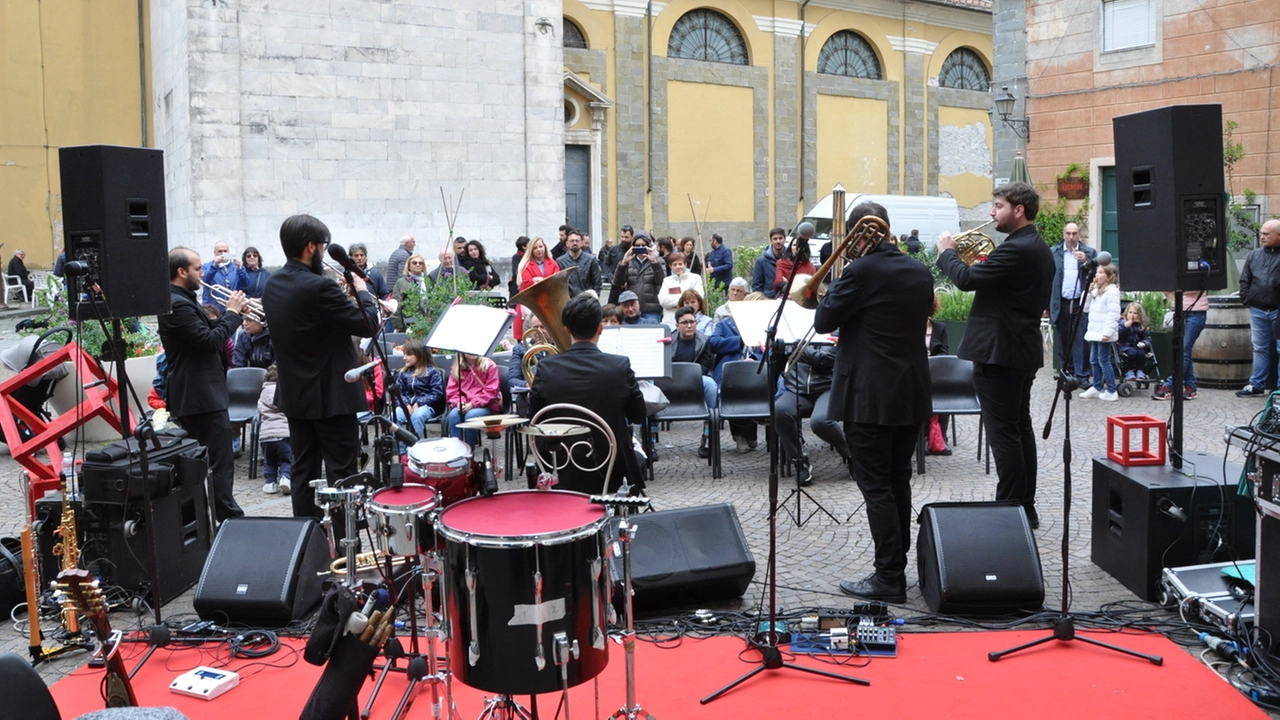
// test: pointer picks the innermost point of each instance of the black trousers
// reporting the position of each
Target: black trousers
(1005, 394)
(335, 441)
(790, 407)
(213, 431)
(880, 462)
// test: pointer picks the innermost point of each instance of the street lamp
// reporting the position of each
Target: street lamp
(1004, 107)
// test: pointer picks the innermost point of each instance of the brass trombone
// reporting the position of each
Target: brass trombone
(863, 237)
(974, 246)
(252, 306)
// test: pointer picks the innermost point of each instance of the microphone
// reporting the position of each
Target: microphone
(1103, 259)
(159, 637)
(488, 480)
(403, 434)
(353, 375)
(75, 268)
(338, 254)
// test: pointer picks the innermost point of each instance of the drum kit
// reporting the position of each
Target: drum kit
(522, 579)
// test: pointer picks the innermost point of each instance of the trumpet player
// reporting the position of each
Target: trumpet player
(197, 379)
(880, 389)
(1002, 339)
(224, 269)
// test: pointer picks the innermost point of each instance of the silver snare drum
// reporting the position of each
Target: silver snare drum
(444, 464)
(403, 519)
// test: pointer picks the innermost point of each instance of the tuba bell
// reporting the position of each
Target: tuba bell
(546, 299)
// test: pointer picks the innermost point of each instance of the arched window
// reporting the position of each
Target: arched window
(573, 37)
(707, 35)
(963, 69)
(847, 53)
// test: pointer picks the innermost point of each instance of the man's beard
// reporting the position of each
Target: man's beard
(193, 283)
(317, 264)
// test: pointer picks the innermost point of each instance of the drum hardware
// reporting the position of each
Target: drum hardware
(565, 651)
(622, 505)
(493, 426)
(504, 707)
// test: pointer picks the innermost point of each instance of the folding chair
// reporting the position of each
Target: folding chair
(684, 390)
(244, 386)
(951, 380)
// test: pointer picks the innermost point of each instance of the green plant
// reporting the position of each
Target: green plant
(1244, 229)
(744, 260)
(139, 339)
(1232, 153)
(432, 304)
(954, 305)
(1051, 221)
(1075, 169)
(715, 296)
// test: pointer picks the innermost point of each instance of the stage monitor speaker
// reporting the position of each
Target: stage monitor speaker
(684, 557)
(113, 216)
(1170, 202)
(263, 572)
(978, 559)
(1266, 595)
(114, 545)
(1147, 518)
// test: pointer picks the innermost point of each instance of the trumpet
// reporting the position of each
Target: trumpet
(974, 246)
(252, 306)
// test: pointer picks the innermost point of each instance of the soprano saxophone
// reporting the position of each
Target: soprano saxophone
(68, 550)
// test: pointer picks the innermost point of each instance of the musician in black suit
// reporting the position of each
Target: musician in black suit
(197, 395)
(1011, 292)
(599, 382)
(880, 389)
(312, 322)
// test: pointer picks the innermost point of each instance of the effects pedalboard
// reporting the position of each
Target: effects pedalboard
(832, 634)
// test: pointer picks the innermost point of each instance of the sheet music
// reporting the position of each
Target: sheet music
(471, 329)
(752, 319)
(642, 345)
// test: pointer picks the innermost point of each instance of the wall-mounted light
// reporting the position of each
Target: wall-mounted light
(1004, 107)
(544, 25)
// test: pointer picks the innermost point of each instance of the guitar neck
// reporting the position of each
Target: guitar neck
(84, 595)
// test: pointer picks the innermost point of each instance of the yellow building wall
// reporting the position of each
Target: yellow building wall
(853, 144)
(710, 153)
(68, 76)
(969, 189)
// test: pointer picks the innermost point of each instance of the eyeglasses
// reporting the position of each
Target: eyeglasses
(687, 322)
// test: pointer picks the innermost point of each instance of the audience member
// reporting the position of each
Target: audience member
(765, 270)
(674, 286)
(693, 347)
(224, 269)
(377, 284)
(252, 346)
(472, 391)
(414, 277)
(421, 388)
(642, 272)
(18, 267)
(587, 277)
(479, 270)
(720, 261)
(251, 261)
(400, 256)
(273, 438)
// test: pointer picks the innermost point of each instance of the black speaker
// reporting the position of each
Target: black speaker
(114, 545)
(1170, 201)
(684, 557)
(113, 217)
(978, 559)
(13, 581)
(1147, 518)
(263, 572)
(1266, 592)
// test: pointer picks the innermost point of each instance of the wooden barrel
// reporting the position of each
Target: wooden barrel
(1223, 355)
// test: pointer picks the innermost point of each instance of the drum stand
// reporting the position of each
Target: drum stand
(627, 531)
(505, 707)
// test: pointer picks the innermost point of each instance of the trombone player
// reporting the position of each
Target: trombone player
(1002, 338)
(880, 388)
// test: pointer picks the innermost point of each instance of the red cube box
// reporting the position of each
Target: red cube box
(1124, 426)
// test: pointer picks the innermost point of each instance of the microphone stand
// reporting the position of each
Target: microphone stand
(771, 655)
(1064, 628)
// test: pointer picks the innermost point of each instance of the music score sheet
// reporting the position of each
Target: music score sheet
(753, 317)
(642, 345)
(471, 329)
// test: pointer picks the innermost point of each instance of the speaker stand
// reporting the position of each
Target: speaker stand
(1065, 629)
(771, 655)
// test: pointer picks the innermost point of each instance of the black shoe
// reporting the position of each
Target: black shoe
(872, 588)
(1033, 517)
(804, 478)
(1250, 391)
(704, 452)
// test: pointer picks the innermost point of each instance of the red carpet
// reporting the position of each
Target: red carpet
(936, 675)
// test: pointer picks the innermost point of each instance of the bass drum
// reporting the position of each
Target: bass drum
(525, 574)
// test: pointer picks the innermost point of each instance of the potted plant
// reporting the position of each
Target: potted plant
(953, 309)
(1073, 183)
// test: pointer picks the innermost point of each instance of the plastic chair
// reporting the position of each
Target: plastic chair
(26, 696)
(684, 390)
(244, 386)
(12, 283)
(951, 380)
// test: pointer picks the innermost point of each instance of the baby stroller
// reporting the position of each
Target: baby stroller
(33, 396)
(1134, 371)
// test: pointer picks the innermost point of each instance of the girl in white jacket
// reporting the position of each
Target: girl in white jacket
(1103, 306)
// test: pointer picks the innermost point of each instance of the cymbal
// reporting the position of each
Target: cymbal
(492, 422)
(555, 430)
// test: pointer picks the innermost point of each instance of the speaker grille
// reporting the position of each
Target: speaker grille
(978, 558)
(261, 571)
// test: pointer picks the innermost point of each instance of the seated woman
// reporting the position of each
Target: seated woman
(421, 388)
(693, 299)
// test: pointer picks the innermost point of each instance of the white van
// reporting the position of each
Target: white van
(932, 216)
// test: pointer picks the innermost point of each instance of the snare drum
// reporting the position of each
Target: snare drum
(444, 464)
(521, 568)
(403, 519)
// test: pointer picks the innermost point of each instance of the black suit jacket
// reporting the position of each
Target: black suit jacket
(1011, 292)
(312, 322)
(605, 385)
(939, 343)
(880, 305)
(194, 348)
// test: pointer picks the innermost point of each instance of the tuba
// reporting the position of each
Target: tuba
(546, 299)
(863, 237)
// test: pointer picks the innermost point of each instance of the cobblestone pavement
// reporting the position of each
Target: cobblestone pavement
(814, 557)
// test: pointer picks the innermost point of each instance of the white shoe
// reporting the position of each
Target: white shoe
(1108, 395)
(1090, 393)
(271, 488)
(285, 486)
(742, 445)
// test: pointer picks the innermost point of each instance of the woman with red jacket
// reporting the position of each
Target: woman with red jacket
(537, 265)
